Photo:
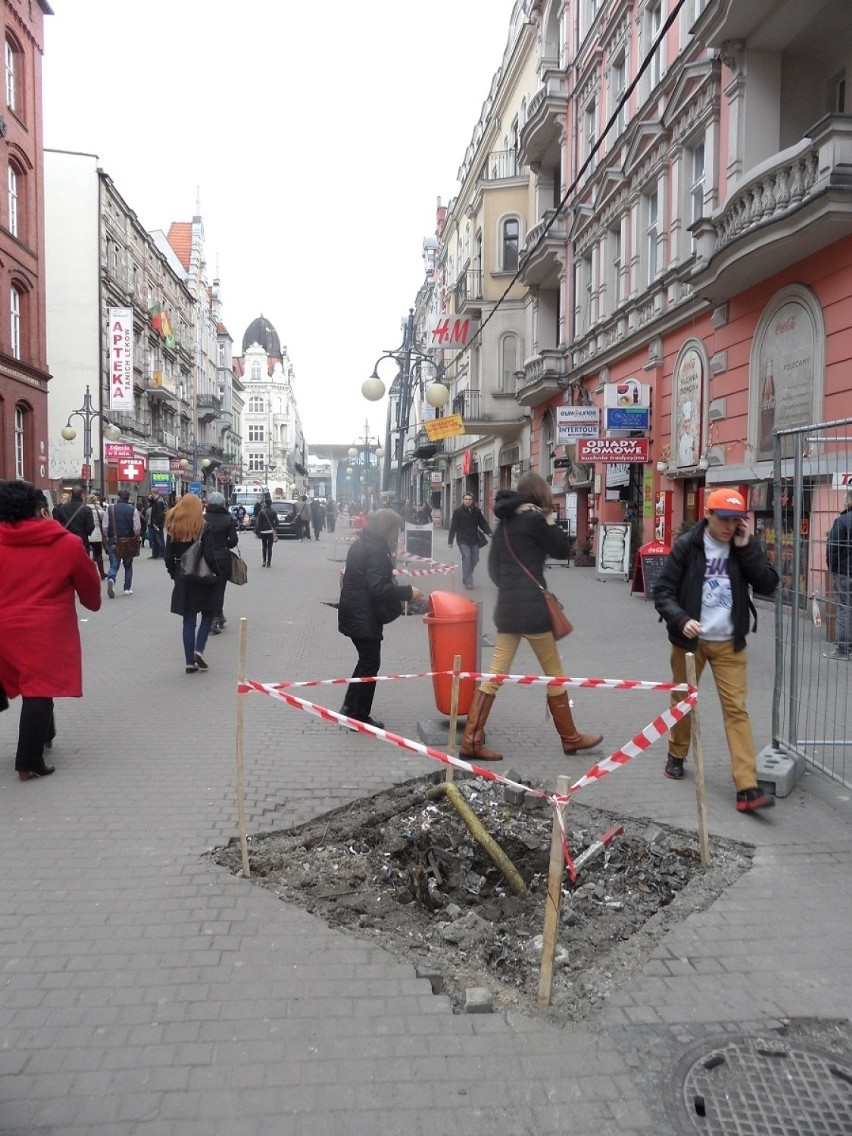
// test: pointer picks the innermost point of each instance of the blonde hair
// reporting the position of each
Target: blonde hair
(186, 520)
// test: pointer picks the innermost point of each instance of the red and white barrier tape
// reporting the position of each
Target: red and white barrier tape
(442, 570)
(478, 676)
(640, 742)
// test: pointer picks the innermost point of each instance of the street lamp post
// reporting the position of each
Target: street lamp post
(369, 453)
(436, 393)
(109, 430)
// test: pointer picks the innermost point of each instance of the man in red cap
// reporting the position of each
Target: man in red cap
(703, 596)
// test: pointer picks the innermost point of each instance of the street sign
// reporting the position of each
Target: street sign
(612, 450)
(195, 487)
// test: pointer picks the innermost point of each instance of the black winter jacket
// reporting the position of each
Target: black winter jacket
(521, 609)
(223, 528)
(188, 596)
(467, 524)
(369, 598)
(677, 594)
(838, 551)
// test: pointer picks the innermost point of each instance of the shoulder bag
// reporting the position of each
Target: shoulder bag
(194, 567)
(481, 539)
(239, 568)
(560, 624)
(124, 545)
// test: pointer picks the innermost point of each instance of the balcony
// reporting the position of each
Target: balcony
(544, 376)
(789, 207)
(468, 292)
(209, 407)
(469, 403)
(547, 122)
(501, 165)
(159, 388)
(543, 258)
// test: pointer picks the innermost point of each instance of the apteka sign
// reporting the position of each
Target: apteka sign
(120, 337)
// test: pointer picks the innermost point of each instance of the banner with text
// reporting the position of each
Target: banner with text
(120, 340)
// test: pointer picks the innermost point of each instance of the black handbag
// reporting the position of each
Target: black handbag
(195, 568)
(481, 539)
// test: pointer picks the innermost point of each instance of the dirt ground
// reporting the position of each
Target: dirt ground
(404, 870)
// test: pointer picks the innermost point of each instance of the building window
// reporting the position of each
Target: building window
(12, 76)
(256, 433)
(255, 404)
(616, 262)
(13, 201)
(15, 306)
(652, 221)
(696, 186)
(256, 462)
(618, 87)
(509, 363)
(19, 442)
(590, 132)
(256, 371)
(511, 242)
(653, 23)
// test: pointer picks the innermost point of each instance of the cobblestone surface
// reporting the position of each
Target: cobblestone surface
(145, 992)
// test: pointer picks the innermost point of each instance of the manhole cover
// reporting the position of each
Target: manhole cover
(763, 1086)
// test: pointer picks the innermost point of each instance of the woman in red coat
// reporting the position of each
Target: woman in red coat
(42, 567)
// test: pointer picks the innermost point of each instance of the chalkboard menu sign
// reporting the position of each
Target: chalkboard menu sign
(418, 540)
(650, 561)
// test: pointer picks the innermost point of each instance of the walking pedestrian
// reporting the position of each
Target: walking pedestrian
(43, 568)
(156, 525)
(122, 527)
(330, 514)
(526, 535)
(838, 557)
(184, 525)
(96, 536)
(317, 517)
(303, 517)
(370, 599)
(76, 516)
(223, 527)
(265, 525)
(470, 530)
(703, 596)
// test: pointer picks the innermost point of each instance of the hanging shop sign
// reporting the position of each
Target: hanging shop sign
(453, 333)
(120, 343)
(612, 449)
(577, 422)
(445, 427)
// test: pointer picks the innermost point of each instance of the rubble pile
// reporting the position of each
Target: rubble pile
(405, 869)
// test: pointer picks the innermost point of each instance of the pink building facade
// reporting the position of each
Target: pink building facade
(703, 152)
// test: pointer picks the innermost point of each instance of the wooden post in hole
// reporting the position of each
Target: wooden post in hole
(554, 901)
(698, 757)
(454, 717)
(241, 802)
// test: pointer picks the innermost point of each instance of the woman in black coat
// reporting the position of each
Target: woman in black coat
(526, 536)
(184, 525)
(369, 599)
(223, 526)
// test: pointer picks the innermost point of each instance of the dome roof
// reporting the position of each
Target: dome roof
(261, 331)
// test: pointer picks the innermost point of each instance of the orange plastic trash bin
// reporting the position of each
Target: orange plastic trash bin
(453, 624)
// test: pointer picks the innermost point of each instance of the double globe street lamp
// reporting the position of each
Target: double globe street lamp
(109, 430)
(408, 360)
(366, 448)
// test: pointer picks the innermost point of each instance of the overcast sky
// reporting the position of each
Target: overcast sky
(319, 136)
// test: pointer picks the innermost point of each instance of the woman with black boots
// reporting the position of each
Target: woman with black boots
(369, 599)
(42, 568)
(526, 535)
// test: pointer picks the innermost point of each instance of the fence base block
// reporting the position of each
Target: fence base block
(778, 771)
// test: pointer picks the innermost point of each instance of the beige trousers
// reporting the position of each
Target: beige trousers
(506, 647)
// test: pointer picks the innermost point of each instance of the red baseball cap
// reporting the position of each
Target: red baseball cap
(726, 503)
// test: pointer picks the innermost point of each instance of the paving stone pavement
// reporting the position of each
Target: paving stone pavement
(146, 992)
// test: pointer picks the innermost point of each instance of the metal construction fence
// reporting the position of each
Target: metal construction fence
(811, 707)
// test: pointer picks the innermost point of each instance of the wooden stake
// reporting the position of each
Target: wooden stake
(454, 717)
(241, 698)
(698, 757)
(554, 901)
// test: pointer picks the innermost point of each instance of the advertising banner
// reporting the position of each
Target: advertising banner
(120, 342)
(612, 449)
(119, 451)
(576, 422)
(444, 427)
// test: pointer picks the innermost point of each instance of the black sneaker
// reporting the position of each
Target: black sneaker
(674, 768)
(750, 799)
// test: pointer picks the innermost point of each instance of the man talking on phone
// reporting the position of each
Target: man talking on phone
(703, 596)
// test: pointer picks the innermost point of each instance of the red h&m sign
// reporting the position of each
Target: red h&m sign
(452, 333)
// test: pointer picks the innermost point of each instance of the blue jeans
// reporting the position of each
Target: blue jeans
(114, 562)
(191, 641)
(469, 559)
(843, 599)
(158, 544)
